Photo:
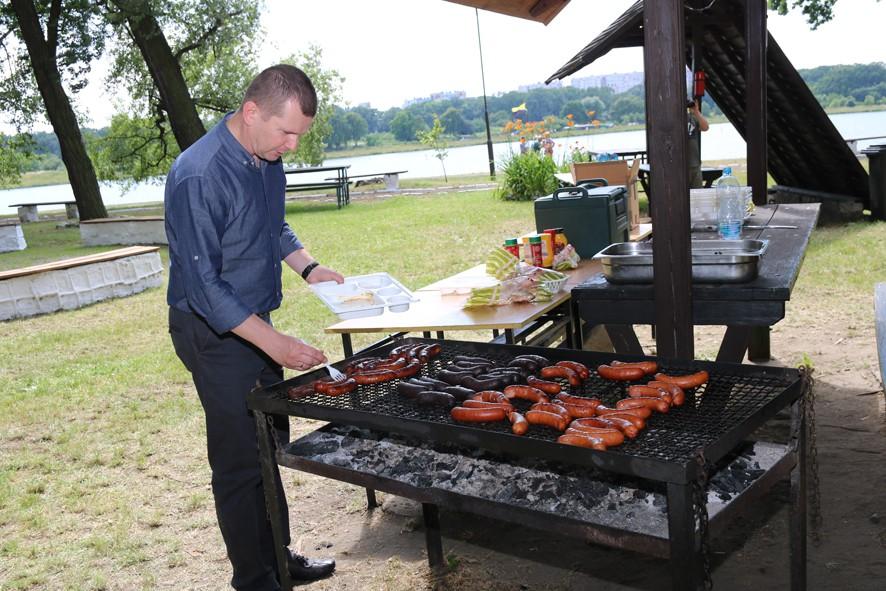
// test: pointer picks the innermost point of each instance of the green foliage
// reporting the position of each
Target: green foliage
(575, 108)
(527, 176)
(454, 122)
(132, 150)
(628, 109)
(405, 126)
(328, 84)
(433, 138)
(13, 157)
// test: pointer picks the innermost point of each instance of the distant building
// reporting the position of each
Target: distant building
(617, 82)
(436, 96)
(528, 87)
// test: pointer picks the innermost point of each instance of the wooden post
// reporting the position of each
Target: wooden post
(664, 59)
(755, 107)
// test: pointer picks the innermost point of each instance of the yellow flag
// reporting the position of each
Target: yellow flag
(520, 107)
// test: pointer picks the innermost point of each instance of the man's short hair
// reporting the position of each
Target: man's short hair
(273, 87)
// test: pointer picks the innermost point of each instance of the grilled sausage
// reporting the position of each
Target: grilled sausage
(476, 384)
(430, 382)
(459, 392)
(366, 378)
(623, 425)
(610, 435)
(453, 378)
(343, 387)
(621, 374)
(525, 363)
(678, 396)
(408, 390)
(579, 368)
(525, 393)
(469, 359)
(470, 403)
(433, 398)
(686, 381)
(544, 385)
(577, 411)
(582, 441)
(558, 371)
(648, 367)
(477, 415)
(412, 368)
(547, 419)
(554, 408)
(642, 411)
(519, 424)
(650, 392)
(491, 396)
(629, 416)
(322, 386)
(297, 392)
(656, 404)
(541, 361)
(577, 400)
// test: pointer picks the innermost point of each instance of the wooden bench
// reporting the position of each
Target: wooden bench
(72, 283)
(11, 237)
(123, 230)
(27, 212)
(390, 179)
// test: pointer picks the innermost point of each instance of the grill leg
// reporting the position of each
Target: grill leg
(734, 344)
(624, 339)
(798, 505)
(685, 558)
(440, 334)
(371, 501)
(758, 344)
(273, 493)
(432, 534)
(346, 344)
(509, 336)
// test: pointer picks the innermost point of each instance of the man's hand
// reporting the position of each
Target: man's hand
(286, 350)
(295, 353)
(322, 273)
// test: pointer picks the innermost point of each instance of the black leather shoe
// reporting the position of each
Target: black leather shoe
(309, 569)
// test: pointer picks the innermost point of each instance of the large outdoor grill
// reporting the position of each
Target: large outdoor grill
(676, 453)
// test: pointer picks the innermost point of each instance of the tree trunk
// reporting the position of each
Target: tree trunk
(165, 71)
(58, 109)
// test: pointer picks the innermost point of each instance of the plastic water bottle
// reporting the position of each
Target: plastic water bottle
(730, 206)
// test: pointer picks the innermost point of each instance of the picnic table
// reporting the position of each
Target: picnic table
(708, 175)
(747, 309)
(339, 182)
(27, 212)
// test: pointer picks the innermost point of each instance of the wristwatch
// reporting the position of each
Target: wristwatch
(307, 270)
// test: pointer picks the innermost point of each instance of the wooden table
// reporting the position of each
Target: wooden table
(708, 175)
(747, 309)
(340, 182)
(440, 309)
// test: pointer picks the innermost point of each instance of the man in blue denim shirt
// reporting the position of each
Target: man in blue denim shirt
(227, 237)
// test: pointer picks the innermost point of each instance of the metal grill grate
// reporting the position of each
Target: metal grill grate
(731, 397)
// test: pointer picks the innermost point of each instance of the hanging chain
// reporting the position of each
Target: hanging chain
(814, 487)
(272, 432)
(700, 507)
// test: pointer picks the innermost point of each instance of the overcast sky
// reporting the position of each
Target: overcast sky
(393, 50)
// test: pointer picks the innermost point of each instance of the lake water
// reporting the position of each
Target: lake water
(720, 142)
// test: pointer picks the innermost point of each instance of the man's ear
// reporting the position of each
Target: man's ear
(251, 112)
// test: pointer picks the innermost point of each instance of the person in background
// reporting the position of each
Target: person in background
(547, 145)
(523, 147)
(227, 239)
(696, 124)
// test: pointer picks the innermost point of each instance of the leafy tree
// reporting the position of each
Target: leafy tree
(434, 139)
(357, 126)
(405, 126)
(595, 104)
(817, 12)
(576, 109)
(48, 46)
(327, 83)
(453, 121)
(183, 65)
(627, 108)
(340, 132)
(373, 118)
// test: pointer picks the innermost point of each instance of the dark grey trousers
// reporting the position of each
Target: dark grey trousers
(225, 368)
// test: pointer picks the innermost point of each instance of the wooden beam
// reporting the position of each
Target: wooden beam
(755, 109)
(664, 59)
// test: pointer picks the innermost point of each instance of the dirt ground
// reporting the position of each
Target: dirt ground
(384, 548)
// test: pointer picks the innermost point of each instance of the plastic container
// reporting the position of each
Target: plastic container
(512, 247)
(730, 206)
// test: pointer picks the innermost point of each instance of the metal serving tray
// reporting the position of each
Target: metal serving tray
(713, 261)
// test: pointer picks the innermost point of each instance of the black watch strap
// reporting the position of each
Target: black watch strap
(307, 270)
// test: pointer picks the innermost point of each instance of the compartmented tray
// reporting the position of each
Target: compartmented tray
(364, 295)
(713, 261)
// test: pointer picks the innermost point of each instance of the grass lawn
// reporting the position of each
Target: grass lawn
(103, 478)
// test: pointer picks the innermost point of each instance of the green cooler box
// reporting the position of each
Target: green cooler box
(591, 217)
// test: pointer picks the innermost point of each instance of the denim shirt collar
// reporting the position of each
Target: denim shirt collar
(240, 153)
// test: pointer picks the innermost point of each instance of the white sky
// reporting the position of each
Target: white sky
(392, 50)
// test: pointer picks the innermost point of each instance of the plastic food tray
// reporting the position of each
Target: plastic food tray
(364, 295)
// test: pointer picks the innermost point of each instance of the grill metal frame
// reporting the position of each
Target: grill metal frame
(717, 417)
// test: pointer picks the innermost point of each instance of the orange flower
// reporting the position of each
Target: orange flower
(569, 116)
(570, 123)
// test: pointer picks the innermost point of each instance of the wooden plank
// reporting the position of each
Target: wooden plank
(755, 97)
(79, 261)
(42, 203)
(152, 218)
(666, 140)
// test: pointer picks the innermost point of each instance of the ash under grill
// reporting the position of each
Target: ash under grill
(733, 395)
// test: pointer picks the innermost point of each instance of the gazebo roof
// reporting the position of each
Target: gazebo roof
(805, 150)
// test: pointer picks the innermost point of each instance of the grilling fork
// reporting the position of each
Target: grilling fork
(334, 373)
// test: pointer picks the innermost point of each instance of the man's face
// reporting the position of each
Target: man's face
(274, 135)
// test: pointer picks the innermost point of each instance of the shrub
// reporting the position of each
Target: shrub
(527, 176)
